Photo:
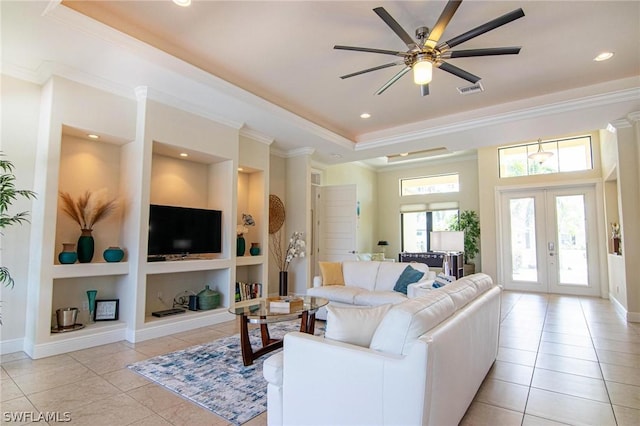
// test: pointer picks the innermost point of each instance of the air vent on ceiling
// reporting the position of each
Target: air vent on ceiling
(468, 90)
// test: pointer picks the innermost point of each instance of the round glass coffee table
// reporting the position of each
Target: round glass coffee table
(258, 311)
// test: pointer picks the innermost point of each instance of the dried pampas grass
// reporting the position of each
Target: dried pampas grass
(90, 207)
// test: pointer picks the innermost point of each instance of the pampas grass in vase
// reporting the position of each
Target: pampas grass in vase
(87, 210)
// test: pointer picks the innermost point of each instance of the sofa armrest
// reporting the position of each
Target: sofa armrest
(358, 385)
(317, 281)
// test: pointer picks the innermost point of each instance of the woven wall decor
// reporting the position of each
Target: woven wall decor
(276, 214)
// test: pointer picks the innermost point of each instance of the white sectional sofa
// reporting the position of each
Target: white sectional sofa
(368, 283)
(423, 366)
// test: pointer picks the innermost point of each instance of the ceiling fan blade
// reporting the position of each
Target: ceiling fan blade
(400, 32)
(492, 51)
(366, 49)
(393, 80)
(443, 21)
(379, 67)
(458, 72)
(424, 89)
(491, 25)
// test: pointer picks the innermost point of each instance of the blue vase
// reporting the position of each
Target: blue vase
(113, 254)
(91, 295)
(68, 254)
(85, 246)
(240, 246)
(254, 250)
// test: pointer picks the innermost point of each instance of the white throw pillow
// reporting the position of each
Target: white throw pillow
(354, 325)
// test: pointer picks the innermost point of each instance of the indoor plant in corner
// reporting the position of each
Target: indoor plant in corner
(468, 222)
(9, 194)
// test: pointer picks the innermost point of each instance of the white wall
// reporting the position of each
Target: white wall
(277, 186)
(20, 103)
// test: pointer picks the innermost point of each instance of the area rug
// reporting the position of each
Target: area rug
(213, 376)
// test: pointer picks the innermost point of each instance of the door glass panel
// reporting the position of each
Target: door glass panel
(572, 240)
(523, 239)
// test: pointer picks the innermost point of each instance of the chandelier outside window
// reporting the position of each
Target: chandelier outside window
(541, 155)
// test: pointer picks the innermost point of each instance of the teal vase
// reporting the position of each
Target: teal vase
(240, 246)
(113, 254)
(68, 254)
(91, 295)
(85, 246)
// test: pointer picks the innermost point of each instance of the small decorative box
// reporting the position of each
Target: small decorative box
(285, 304)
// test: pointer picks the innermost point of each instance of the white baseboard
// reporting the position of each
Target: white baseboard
(630, 316)
(11, 346)
(73, 343)
(176, 324)
(633, 316)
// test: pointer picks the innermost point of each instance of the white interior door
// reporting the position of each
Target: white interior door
(549, 241)
(338, 223)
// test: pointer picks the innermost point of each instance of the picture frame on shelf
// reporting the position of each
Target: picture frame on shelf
(106, 310)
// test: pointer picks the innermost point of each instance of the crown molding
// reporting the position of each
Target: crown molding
(626, 95)
(255, 135)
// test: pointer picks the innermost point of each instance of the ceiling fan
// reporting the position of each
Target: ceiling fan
(425, 52)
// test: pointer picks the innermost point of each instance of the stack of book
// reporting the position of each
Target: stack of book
(245, 291)
(285, 304)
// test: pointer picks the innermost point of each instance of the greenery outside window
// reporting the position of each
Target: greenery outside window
(430, 185)
(569, 155)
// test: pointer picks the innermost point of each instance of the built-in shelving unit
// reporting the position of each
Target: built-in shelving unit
(137, 158)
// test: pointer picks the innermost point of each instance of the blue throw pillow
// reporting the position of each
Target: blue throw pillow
(408, 276)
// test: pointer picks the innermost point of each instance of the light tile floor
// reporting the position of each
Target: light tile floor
(562, 360)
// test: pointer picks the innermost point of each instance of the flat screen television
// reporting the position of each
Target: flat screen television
(184, 230)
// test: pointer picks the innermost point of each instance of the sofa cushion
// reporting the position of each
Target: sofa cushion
(389, 272)
(360, 274)
(408, 276)
(375, 298)
(354, 325)
(483, 282)
(272, 368)
(331, 273)
(461, 292)
(337, 293)
(406, 321)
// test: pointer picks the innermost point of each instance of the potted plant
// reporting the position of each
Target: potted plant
(468, 222)
(9, 194)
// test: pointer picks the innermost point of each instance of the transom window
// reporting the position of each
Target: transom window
(430, 185)
(569, 155)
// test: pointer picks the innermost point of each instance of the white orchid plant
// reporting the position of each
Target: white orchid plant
(247, 221)
(295, 248)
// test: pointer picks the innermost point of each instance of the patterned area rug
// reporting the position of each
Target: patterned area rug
(213, 375)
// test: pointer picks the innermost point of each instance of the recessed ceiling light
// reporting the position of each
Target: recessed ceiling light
(183, 3)
(404, 154)
(603, 56)
(92, 136)
(365, 115)
(240, 169)
(336, 155)
(184, 154)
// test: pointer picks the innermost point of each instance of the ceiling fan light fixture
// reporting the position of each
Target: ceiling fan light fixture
(422, 72)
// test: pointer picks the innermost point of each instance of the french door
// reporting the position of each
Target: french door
(549, 240)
